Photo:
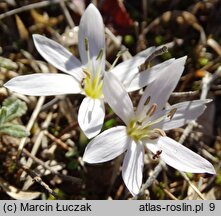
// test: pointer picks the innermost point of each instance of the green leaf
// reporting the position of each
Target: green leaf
(3, 114)
(15, 108)
(13, 130)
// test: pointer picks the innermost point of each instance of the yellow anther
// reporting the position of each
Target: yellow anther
(86, 72)
(86, 44)
(100, 54)
(152, 110)
(156, 53)
(147, 101)
(171, 113)
(160, 131)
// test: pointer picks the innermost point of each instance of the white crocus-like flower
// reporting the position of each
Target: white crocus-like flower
(145, 128)
(85, 76)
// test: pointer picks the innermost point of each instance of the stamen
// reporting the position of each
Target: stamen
(119, 54)
(156, 53)
(100, 54)
(144, 116)
(157, 155)
(160, 131)
(151, 111)
(151, 123)
(147, 101)
(86, 44)
(156, 133)
(83, 83)
(171, 113)
(160, 51)
(99, 68)
(153, 136)
(139, 123)
(86, 72)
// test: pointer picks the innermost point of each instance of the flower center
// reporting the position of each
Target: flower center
(138, 130)
(92, 84)
(143, 126)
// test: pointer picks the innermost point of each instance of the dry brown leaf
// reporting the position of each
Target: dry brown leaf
(23, 32)
(45, 19)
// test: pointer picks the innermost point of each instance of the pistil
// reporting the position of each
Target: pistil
(93, 82)
(142, 127)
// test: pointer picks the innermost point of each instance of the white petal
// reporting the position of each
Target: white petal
(91, 116)
(180, 157)
(127, 69)
(132, 170)
(107, 145)
(44, 84)
(117, 97)
(58, 56)
(186, 112)
(162, 87)
(142, 79)
(91, 27)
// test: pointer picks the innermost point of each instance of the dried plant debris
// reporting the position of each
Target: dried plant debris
(16, 193)
(46, 49)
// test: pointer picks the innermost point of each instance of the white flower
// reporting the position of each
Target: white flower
(85, 76)
(145, 128)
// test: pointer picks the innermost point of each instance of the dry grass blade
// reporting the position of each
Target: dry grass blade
(28, 7)
(38, 179)
(151, 179)
(37, 143)
(31, 123)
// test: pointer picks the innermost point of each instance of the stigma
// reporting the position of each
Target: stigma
(146, 124)
(92, 83)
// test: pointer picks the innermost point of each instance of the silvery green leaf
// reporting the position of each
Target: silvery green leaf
(3, 114)
(15, 108)
(13, 130)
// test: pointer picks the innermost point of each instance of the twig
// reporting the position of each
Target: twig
(212, 43)
(187, 131)
(145, 7)
(185, 94)
(192, 185)
(70, 127)
(175, 42)
(185, 14)
(67, 14)
(38, 142)
(118, 43)
(37, 179)
(30, 124)
(28, 7)
(167, 192)
(206, 83)
(207, 80)
(57, 141)
(42, 163)
(211, 181)
(151, 179)
(52, 102)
